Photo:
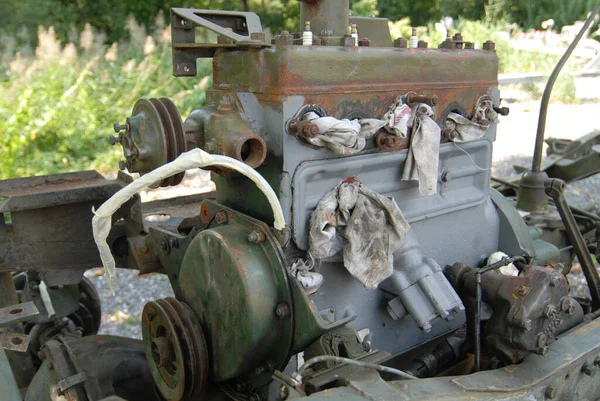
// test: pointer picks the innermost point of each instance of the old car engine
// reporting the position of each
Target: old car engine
(397, 276)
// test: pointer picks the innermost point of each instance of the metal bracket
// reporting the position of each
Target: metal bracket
(235, 29)
(18, 313)
(71, 381)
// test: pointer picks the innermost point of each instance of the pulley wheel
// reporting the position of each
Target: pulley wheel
(169, 130)
(179, 133)
(175, 348)
(147, 134)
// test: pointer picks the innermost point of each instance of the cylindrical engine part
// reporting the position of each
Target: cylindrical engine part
(247, 148)
(327, 17)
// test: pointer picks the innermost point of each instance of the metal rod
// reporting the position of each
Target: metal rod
(555, 188)
(348, 361)
(574, 209)
(541, 128)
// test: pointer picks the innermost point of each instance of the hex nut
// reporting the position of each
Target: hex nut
(589, 369)
(221, 217)
(282, 310)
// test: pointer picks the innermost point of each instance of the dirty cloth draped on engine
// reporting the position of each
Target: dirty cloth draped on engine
(367, 226)
(347, 137)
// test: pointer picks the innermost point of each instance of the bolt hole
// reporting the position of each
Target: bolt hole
(17, 340)
(16, 311)
(252, 152)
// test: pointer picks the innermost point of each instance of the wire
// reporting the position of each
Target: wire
(339, 359)
(472, 161)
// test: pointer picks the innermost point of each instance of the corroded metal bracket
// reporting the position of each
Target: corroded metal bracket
(235, 29)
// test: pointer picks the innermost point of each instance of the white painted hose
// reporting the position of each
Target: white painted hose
(196, 158)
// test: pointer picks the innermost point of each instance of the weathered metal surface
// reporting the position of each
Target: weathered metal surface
(175, 348)
(560, 370)
(39, 207)
(8, 385)
(14, 341)
(235, 285)
(240, 29)
(17, 313)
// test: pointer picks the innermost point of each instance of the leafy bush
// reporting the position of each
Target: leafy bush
(57, 107)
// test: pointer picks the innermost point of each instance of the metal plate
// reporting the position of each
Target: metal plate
(17, 313)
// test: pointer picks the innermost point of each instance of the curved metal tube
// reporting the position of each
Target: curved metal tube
(541, 128)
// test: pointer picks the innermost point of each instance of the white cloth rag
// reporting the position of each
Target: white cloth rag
(369, 227)
(344, 137)
(102, 220)
(423, 154)
(466, 130)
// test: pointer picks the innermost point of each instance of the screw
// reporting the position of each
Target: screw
(183, 22)
(256, 237)
(445, 176)
(550, 393)
(186, 68)
(221, 217)
(284, 392)
(589, 369)
(282, 310)
(503, 111)
(522, 290)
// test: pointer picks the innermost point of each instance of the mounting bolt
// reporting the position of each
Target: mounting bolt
(221, 217)
(256, 237)
(522, 290)
(114, 140)
(120, 127)
(401, 43)
(589, 369)
(364, 42)
(282, 310)
(551, 393)
(165, 245)
(284, 392)
(541, 340)
(489, 45)
(567, 306)
(174, 243)
(525, 324)
(347, 40)
(445, 176)
(549, 310)
(124, 165)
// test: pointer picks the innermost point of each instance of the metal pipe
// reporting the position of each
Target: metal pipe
(541, 128)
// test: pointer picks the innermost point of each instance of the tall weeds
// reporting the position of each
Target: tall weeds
(58, 103)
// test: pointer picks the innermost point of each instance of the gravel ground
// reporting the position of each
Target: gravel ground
(515, 139)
